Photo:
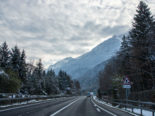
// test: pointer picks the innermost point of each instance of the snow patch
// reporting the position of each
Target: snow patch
(22, 103)
(129, 110)
(76, 67)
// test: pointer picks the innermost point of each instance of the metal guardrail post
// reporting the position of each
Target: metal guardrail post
(152, 113)
(132, 109)
(125, 106)
(141, 111)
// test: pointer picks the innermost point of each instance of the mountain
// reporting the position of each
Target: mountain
(92, 60)
(89, 80)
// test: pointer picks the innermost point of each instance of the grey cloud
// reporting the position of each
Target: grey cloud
(55, 29)
(116, 30)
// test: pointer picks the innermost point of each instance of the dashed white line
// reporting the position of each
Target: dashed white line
(104, 109)
(55, 113)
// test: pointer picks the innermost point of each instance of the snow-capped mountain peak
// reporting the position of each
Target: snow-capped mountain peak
(78, 66)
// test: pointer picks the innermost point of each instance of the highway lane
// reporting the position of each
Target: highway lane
(73, 106)
(38, 109)
(82, 107)
(110, 109)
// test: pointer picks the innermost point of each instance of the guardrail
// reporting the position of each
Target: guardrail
(133, 104)
(7, 101)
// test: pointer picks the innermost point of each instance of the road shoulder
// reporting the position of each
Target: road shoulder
(113, 110)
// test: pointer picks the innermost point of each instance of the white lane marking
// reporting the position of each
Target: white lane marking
(41, 102)
(63, 108)
(98, 109)
(104, 109)
(115, 107)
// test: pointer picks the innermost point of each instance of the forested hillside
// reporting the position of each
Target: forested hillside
(135, 59)
(18, 76)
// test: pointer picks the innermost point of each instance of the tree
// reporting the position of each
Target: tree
(22, 67)
(38, 78)
(4, 56)
(123, 56)
(39, 69)
(15, 59)
(77, 85)
(143, 22)
(9, 82)
(64, 80)
(50, 83)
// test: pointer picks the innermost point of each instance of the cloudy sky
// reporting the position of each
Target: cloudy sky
(55, 29)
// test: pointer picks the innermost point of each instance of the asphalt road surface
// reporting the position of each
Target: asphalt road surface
(72, 106)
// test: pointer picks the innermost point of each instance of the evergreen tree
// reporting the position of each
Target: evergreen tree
(64, 80)
(77, 85)
(22, 67)
(39, 69)
(50, 83)
(29, 85)
(15, 59)
(151, 58)
(143, 21)
(4, 56)
(124, 45)
(38, 78)
(123, 56)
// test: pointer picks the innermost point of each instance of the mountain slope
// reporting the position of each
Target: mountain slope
(89, 81)
(77, 67)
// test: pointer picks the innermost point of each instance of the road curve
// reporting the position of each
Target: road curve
(73, 106)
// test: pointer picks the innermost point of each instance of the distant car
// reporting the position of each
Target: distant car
(89, 94)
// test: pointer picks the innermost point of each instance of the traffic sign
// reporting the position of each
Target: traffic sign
(127, 86)
(126, 83)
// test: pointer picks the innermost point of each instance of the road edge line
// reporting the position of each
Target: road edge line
(103, 109)
(134, 114)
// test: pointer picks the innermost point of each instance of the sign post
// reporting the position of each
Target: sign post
(127, 86)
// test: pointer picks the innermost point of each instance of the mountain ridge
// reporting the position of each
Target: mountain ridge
(76, 67)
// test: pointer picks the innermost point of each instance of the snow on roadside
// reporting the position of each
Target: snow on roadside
(102, 102)
(145, 112)
(22, 103)
(15, 104)
(135, 110)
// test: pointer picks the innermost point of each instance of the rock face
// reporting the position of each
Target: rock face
(86, 67)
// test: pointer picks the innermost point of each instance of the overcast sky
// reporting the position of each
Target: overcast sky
(55, 29)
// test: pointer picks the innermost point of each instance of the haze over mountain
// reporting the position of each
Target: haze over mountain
(84, 65)
(89, 80)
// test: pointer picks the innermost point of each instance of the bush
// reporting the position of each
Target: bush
(9, 83)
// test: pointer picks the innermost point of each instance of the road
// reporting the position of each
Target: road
(72, 106)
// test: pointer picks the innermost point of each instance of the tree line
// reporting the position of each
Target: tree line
(135, 59)
(18, 76)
